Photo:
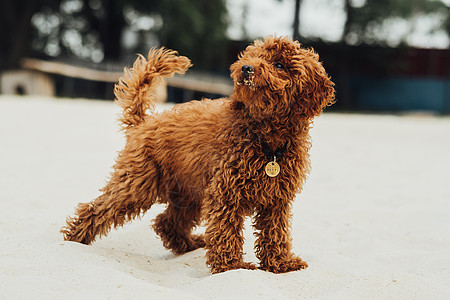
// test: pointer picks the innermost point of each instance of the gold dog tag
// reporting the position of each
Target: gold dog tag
(272, 168)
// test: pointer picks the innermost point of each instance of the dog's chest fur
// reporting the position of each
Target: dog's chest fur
(214, 143)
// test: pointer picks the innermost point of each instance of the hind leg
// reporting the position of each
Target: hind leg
(175, 224)
(132, 190)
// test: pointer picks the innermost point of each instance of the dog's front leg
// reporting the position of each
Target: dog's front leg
(224, 233)
(224, 241)
(273, 245)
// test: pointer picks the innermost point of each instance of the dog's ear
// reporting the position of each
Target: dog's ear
(316, 90)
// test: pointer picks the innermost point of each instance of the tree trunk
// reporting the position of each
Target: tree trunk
(21, 28)
(348, 20)
(110, 30)
(296, 34)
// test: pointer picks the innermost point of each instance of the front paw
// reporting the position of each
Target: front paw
(283, 266)
(239, 265)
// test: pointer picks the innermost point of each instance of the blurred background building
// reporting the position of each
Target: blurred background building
(383, 55)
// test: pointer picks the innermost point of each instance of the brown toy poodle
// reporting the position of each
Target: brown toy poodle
(215, 161)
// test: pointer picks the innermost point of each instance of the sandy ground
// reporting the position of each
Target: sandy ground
(373, 221)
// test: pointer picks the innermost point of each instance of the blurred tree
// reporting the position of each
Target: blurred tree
(447, 21)
(74, 28)
(15, 29)
(366, 18)
(197, 29)
(296, 24)
(296, 33)
(94, 29)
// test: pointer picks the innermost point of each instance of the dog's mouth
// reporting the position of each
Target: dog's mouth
(247, 82)
(247, 76)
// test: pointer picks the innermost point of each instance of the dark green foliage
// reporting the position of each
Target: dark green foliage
(195, 28)
(92, 29)
(15, 29)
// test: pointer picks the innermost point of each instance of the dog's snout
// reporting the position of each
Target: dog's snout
(247, 70)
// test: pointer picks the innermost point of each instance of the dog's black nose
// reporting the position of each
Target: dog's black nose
(247, 70)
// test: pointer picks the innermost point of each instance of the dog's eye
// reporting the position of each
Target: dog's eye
(279, 65)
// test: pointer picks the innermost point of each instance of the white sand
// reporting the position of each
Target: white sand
(373, 221)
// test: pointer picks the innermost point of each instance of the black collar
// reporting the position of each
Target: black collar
(278, 153)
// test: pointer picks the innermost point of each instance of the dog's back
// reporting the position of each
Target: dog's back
(185, 142)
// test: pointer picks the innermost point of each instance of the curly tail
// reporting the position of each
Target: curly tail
(133, 91)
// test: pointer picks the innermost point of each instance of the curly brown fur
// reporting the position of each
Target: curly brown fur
(206, 159)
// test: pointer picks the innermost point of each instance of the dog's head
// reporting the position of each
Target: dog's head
(278, 77)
